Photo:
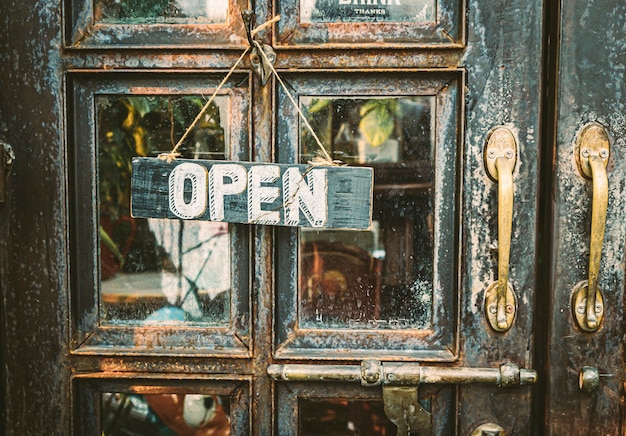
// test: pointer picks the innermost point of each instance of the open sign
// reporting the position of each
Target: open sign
(255, 193)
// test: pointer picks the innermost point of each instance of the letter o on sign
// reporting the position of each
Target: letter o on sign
(197, 177)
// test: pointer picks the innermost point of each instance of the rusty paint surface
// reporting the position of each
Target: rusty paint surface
(489, 90)
(492, 48)
(504, 89)
(592, 65)
(33, 261)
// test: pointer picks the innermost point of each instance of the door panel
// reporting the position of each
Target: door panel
(165, 273)
(503, 80)
(136, 404)
(345, 408)
(591, 78)
(88, 78)
(125, 24)
(416, 210)
(323, 23)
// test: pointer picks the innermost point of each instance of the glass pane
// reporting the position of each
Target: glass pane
(381, 278)
(329, 11)
(339, 417)
(165, 414)
(161, 11)
(152, 270)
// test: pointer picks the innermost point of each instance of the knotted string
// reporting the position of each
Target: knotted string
(169, 157)
(325, 159)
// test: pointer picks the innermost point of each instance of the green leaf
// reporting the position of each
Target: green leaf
(377, 122)
(319, 104)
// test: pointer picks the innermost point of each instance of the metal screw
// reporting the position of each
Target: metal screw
(493, 309)
(508, 154)
(604, 153)
(584, 152)
(580, 309)
(491, 154)
(598, 308)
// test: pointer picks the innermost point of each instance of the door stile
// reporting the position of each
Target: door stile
(591, 80)
(262, 309)
(545, 215)
(33, 235)
(504, 78)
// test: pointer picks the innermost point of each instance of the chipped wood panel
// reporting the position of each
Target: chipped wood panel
(591, 75)
(243, 192)
(503, 79)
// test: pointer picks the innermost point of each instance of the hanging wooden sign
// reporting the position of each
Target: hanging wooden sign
(256, 193)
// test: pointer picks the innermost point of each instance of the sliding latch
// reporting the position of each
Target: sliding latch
(400, 383)
(262, 62)
(6, 161)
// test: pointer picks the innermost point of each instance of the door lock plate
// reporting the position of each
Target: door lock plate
(402, 407)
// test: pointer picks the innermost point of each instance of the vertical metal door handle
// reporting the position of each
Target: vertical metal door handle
(592, 155)
(500, 157)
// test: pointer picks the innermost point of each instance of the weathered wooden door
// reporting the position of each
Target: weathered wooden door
(584, 180)
(452, 314)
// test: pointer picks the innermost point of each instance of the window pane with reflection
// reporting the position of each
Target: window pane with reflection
(161, 11)
(342, 417)
(165, 414)
(156, 271)
(381, 278)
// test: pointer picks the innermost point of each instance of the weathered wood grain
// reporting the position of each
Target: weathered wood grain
(257, 193)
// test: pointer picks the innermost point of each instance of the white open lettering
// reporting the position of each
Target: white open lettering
(218, 188)
(257, 194)
(262, 190)
(311, 198)
(196, 175)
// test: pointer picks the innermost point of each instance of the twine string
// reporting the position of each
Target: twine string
(268, 23)
(327, 160)
(172, 155)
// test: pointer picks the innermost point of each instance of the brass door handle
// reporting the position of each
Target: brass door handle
(592, 155)
(500, 157)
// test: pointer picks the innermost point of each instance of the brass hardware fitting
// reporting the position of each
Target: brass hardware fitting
(592, 151)
(489, 429)
(588, 379)
(258, 61)
(374, 373)
(500, 157)
(402, 407)
(400, 383)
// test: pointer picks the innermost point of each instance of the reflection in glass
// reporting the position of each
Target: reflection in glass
(152, 270)
(330, 11)
(161, 11)
(381, 278)
(339, 417)
(165, 414)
